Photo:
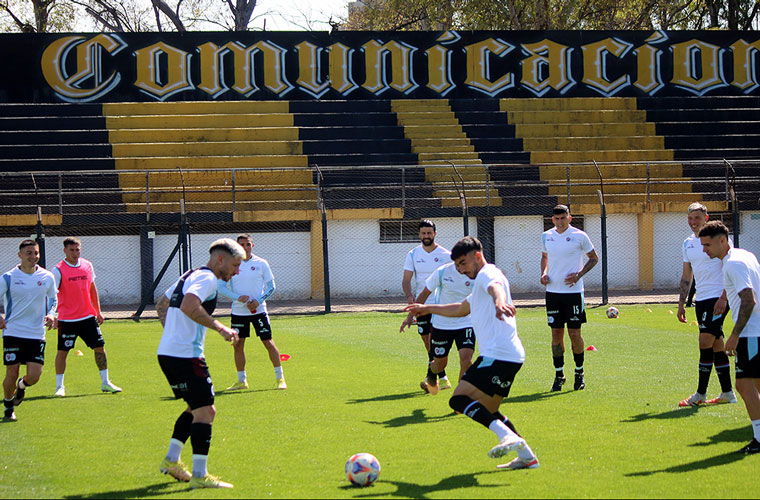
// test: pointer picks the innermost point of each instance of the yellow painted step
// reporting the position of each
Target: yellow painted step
(402, 105)
(433, 131)
(442, 117)
(223, 206)
(584, 130)
(599, 116)
(223, 162)
(448, 155)
(639, 186)
(447, 148)
(611, 172)
(200, 121)
(600, 156)
(472, 202)
(243, 178)
(441, 142)
(195, 108)
(219, 195)
(567, 104)
(459, 162)
(593, 143)
(203, 134)
(639, 197)
(231, 148)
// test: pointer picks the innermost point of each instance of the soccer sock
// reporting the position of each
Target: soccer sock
(507, 422)
(104, 376)
(241, 376)
(478, 413)
(559, 364)
(21, 384)
(578, 358)
(442, 374)
(723, 369)
(175, 450)
(756, 429)
(278, 372)
(200, 438)
(8, 405)
(705, 367)
(58, 380)
(183, 427)
(431, 375)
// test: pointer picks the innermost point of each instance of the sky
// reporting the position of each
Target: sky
(298, 14)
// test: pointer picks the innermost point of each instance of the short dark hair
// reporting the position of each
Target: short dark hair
(26, 243)
(71, 240)
(243, 236)
(714, 228)
(560, 209)
(426, 223)
(465, 246)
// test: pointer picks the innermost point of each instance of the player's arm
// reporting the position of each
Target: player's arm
(223, 289)
(51, 300)
(499, 296)
(162, 306)
(455, 310)
(268, 291)
(421, 298)
(720, 304)
(747, 297)
(192, 307)
(544, 269)
(95, 298)
(3, 290)
(406, 285)
(684, 286)
(574, 278)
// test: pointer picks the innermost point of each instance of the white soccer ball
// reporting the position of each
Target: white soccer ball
(362, 469)
(613, 312)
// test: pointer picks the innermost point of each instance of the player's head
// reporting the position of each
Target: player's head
(245, 241)
(714, 238)
(561, 217)
(697, 214)
(225, 256)
(427, 232)
(72, 249)
(29, 252)
(467, 255)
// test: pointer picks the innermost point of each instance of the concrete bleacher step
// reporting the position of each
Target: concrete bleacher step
(41, 151)
(215, 162)
(566, 104)
(339, 146)
(619, 171)
(30, 123)
(349, 133)
(45, 137)
(55, 164)
(201, 149)
(541, 157)
(136, 181)
(616, 129)
(202, 135)
(573, 117)
(594, 143)
(637, 197)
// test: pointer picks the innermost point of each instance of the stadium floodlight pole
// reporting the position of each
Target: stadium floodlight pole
(462, 198)
(325, 246)
(600, 194)
(731, 185)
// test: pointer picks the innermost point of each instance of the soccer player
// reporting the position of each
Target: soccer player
(28, 291)
(741, 280)
(447, 286)
(79, 314)
(420, 262)
(710, 308)
(562, 272)
(249, 290)
(185, 312)
(488, 381)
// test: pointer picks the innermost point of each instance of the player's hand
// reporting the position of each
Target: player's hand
(100, 318)
(49, 322)
(243, 299)
(505, 310)
(720, 306)
(545, 279)
(572, 279)
(415, 309)
(229, 334)
(252, 305)
(55, 324)
(681, 315)
(407, 322)
(2, 323)
(731, 344)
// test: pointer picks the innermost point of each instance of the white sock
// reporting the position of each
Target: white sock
(525, 452)
(104, 376)
(501, 430)
(756, 429)
(21, 385)
(58, 380)
(241, 376)
(200, 465)
(278, 372)
(175, 450)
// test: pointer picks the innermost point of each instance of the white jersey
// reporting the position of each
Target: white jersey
(741, 271)
(255, 280)
(708, 273)
(28, 298)
(447, 286)
(183, 337)
(565, 253)
(423, 264)
(497, 338)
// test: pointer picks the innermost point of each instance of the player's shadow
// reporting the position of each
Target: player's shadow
(417, 417)
(412, 490)
(387, 397)
(697, 465)
(48, 396)
(739, 435)
(665, 415)
(537, 396)
(151, 491)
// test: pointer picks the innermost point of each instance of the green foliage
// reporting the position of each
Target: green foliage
(353, 387)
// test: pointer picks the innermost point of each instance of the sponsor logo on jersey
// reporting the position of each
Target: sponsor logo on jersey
(497, 381)
(436, 259)
(568, 239)
(10, 357)
(68, 343)
(466, 283)
(549, 238)
(39, 283)
(18, 282)
(253, 268)
(440, 351)
(550, 319)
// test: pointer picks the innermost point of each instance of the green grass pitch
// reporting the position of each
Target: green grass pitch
(353, 387)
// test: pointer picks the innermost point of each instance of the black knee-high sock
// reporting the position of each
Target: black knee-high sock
(578, 358)
(705, 367)
(723, 369)
(430, 373)
(8, 403)
(507, 422)
(200, 438)
(558, 356)
(472, 409)
(183, 427)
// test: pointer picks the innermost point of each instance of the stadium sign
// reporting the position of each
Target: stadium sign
(366, 65)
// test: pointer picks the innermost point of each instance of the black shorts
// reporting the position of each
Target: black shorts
(260, 324)
(17, 350)
(565, 308)
(87, 329)
(441, 341)
(424, 324)
(492, 376)
(748, 358)
(189, 379)
(707, 322)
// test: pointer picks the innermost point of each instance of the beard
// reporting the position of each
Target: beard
(427, 241)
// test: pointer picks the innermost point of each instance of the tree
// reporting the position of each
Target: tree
(36, 16)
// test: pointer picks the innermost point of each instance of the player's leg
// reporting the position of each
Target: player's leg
(90, 333)
(720, 359)
(67, 338)
(9, 388)
(243, 325)
(558, 358)
(578, 347)
(425, 329)
(465, 341)
(441, 342)
(748, 385)
(264, 332)
(465, 360)
(179, 373)
(32, 376)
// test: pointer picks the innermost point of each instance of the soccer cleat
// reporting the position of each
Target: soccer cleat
(238, 386)
(558, 383)
(695, 399)
(9, 416)
(208, 481)
(177, 470)
(520, 463)
(60, 392)
(281, 384)
(725, 397)
(509, 443)
(444, 383)
(423, 385)
(431, 389)
(18, 397)
(109, 387)
(580, 381)
(752, 448)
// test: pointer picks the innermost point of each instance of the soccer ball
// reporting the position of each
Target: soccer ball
(613, 312)
(362, 469)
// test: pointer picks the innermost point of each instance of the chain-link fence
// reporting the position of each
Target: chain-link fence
(130, 222)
